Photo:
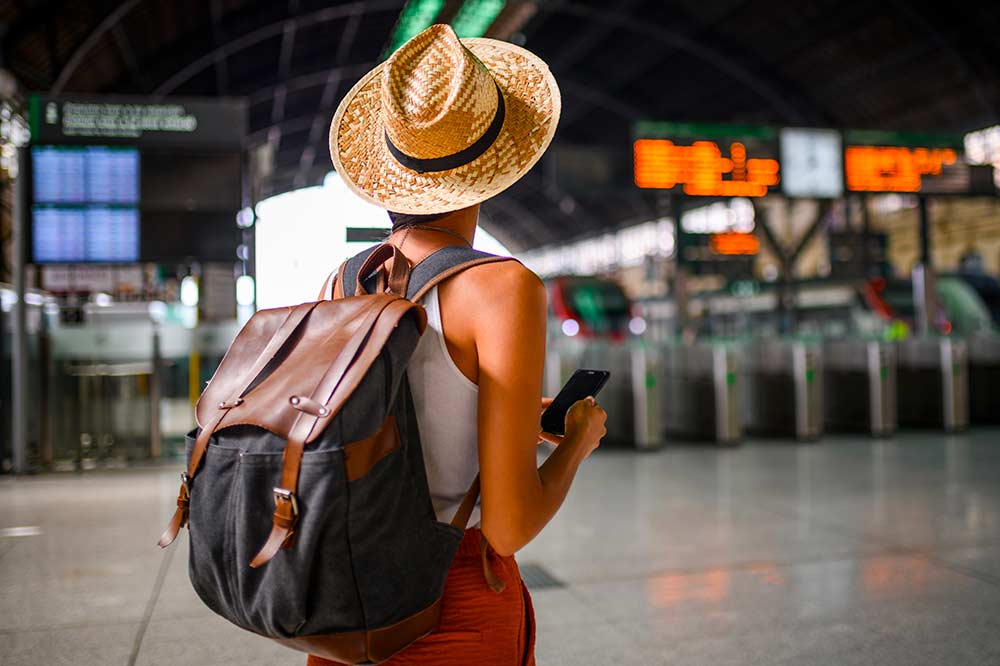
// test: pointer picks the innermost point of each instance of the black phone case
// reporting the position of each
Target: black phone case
(556, 424)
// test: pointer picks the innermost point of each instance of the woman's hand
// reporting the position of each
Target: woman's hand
(585, 420)
(547, 436)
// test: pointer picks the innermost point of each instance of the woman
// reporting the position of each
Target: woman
(440, 127)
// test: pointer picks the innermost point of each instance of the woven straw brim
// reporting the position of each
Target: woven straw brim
(361, 158)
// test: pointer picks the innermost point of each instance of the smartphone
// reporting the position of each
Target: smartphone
(579, 386)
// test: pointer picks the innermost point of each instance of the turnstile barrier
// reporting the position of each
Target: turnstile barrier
(782, 388)
(629, 397)
(859, 386)
(933, 383)
(984, 379)
(699, 390)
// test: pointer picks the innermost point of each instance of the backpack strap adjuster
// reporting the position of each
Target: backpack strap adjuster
(283, 494)
(286, 514)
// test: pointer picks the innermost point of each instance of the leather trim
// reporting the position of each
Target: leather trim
(338, 282)
(361, 456)
(326, 285)
(373, 646)
(400, 269)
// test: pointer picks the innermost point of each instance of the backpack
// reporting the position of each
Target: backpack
(309, 418)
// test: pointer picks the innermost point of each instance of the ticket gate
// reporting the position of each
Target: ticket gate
(699, 389)
(782, 388)
(984, 379)
(933, 389)
(859, 386)
(629, 397)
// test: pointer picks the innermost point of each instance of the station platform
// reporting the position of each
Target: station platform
(846, 551)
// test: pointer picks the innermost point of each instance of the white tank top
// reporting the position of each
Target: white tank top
(446, 405)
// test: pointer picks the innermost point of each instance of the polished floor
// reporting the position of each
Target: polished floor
(839, 553)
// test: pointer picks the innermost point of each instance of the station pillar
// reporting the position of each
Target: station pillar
(19, 337)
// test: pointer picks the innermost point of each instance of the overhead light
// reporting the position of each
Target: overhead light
(245, 290)
(417, 16)
(475, 17)
(189, 291)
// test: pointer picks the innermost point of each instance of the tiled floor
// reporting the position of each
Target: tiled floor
(845, 552)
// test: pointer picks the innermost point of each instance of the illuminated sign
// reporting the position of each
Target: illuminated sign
(894, 168)
(85, 119)
(812, 163)
(706, 160)
(905, 162)
(733, 243)
(702, 169)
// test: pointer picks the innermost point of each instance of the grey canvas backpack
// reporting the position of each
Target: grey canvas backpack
(305, 494)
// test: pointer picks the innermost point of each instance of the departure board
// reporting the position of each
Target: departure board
(86, 174)
(706, 160)
(85, 206)
(905, 162)
(77, 234)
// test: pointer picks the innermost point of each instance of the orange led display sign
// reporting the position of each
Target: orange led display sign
(894, 168)
(701, 169)
(734, 243)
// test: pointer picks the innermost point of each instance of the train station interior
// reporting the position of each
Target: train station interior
(776, 224)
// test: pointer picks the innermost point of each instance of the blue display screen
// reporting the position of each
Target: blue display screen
(76, 234)
(85, 205)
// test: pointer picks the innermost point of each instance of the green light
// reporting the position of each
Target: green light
(417, 16)
(475, 17)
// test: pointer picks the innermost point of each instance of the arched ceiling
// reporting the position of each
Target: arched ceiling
(841, 63)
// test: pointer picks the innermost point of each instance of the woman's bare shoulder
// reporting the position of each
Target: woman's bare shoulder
(503, 282)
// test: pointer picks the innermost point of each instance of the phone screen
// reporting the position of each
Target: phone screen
(579, 386)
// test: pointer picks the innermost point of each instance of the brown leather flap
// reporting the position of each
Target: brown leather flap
(300, 364)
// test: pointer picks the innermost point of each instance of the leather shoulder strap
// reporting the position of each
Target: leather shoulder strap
(351, 268)
(433, 269)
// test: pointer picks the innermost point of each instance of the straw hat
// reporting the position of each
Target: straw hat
(444, 123)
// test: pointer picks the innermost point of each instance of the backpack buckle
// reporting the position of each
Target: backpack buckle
(289, 496)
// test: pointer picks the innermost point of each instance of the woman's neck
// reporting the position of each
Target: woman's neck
(418, 242)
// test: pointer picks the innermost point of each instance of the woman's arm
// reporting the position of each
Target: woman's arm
(518, 497)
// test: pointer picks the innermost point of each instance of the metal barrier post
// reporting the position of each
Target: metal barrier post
(728, 425)
(155, 442)
(645, 399)
(954, 380)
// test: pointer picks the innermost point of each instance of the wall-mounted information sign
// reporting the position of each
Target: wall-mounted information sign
(84, 205)
(71, 118)
(120, 179)
(706, 160)
(904, 162)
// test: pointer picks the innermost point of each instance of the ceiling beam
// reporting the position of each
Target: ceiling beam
(786, 108)
(218, 37)
(305, 81)
(328, 98)
(89, 42)
(267, 31)
(128, 55)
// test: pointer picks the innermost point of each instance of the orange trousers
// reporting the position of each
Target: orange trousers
(478, 626)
